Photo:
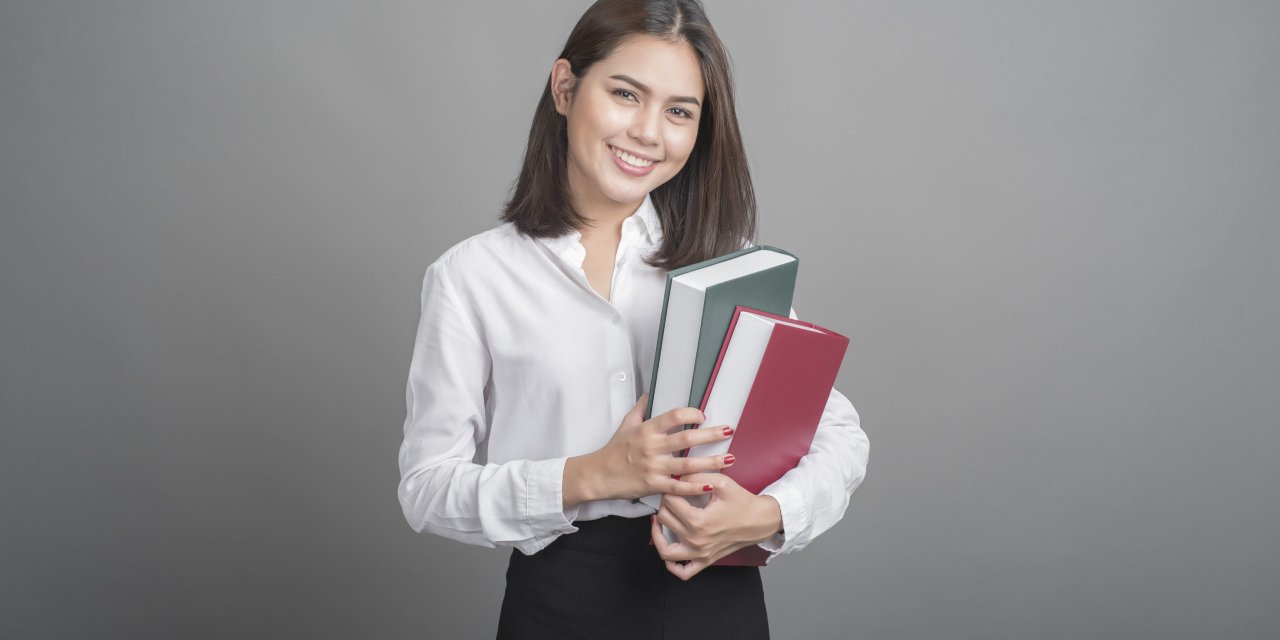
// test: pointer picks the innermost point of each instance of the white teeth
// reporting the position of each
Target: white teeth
(630, 159)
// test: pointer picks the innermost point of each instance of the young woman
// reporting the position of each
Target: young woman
(536, 344)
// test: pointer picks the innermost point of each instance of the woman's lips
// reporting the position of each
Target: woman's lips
(626, 168)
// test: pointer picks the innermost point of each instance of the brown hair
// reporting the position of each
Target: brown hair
(708, 208)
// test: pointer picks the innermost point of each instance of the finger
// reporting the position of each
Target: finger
(682, 488)
(683, 512)
(667, 517)
(685, 570)
(704, 434)
(677, 418)
(690, 465)
(659, 539)
(720, 483)
(636, 414)
(674, 551)
(722, 487)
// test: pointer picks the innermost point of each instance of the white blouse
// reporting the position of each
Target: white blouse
(519, 363)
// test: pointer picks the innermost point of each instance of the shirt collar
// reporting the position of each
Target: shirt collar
(562, 245)
(643, 224)
(647, 214)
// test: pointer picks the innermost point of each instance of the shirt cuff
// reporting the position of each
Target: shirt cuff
(794, 520)
(544, 508)
(774, 543)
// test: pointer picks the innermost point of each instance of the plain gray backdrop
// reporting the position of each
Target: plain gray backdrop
(1050, 230)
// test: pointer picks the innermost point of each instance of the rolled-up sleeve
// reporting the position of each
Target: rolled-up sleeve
(814, 495)
(442, 490)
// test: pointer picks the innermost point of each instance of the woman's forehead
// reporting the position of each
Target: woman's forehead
(663, 67)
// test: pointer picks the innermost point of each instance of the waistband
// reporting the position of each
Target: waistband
(611, 534)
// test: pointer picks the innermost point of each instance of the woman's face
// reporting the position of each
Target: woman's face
(633, 122)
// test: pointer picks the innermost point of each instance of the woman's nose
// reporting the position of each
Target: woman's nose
(645, 126)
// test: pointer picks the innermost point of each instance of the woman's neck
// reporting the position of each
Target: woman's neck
(606, 219)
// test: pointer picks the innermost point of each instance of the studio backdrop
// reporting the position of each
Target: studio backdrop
(1049, 230)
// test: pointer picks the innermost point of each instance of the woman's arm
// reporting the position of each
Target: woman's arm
(814, 495)
(522, 503)
(441, 490)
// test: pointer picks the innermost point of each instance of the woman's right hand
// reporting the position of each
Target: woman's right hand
(637, 461)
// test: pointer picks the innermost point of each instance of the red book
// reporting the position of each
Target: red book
(780, 374)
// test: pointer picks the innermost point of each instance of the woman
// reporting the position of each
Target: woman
(536, 341)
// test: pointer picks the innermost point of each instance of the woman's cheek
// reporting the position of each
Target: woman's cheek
(614, 118)
(685, 143)
(677, 164)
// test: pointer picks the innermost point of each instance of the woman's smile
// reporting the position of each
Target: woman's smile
(630, 164)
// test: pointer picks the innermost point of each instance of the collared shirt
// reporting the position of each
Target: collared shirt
(519, 363)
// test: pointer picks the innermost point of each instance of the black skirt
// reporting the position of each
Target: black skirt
(607, 581)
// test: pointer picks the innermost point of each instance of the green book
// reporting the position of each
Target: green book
(697, 308)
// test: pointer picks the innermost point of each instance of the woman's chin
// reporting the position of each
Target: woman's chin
(629, 194)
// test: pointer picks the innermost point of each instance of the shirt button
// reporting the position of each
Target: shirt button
(616, 320)
(622, 376)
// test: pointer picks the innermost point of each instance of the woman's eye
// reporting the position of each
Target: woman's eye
(628, 95)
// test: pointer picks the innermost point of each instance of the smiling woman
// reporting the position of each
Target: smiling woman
(639, 82)
(627, 137)
(536, 341)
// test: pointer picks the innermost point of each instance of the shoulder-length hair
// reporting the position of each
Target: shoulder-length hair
(708, 208)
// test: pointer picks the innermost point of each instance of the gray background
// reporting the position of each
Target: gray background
(1049, 229)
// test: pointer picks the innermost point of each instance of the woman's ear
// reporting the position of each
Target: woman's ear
(562, 81)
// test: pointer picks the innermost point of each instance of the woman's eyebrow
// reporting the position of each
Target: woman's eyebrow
(641, 87)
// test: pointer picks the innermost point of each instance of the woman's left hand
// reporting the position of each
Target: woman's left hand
(734, 518)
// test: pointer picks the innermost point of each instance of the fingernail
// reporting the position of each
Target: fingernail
(728, 459)
(728, 431)
(706, 487)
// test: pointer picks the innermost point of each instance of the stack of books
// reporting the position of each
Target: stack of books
(727, 346)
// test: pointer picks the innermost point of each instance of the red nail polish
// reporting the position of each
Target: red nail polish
(706, 487)
(728, 431)
(728, 459)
